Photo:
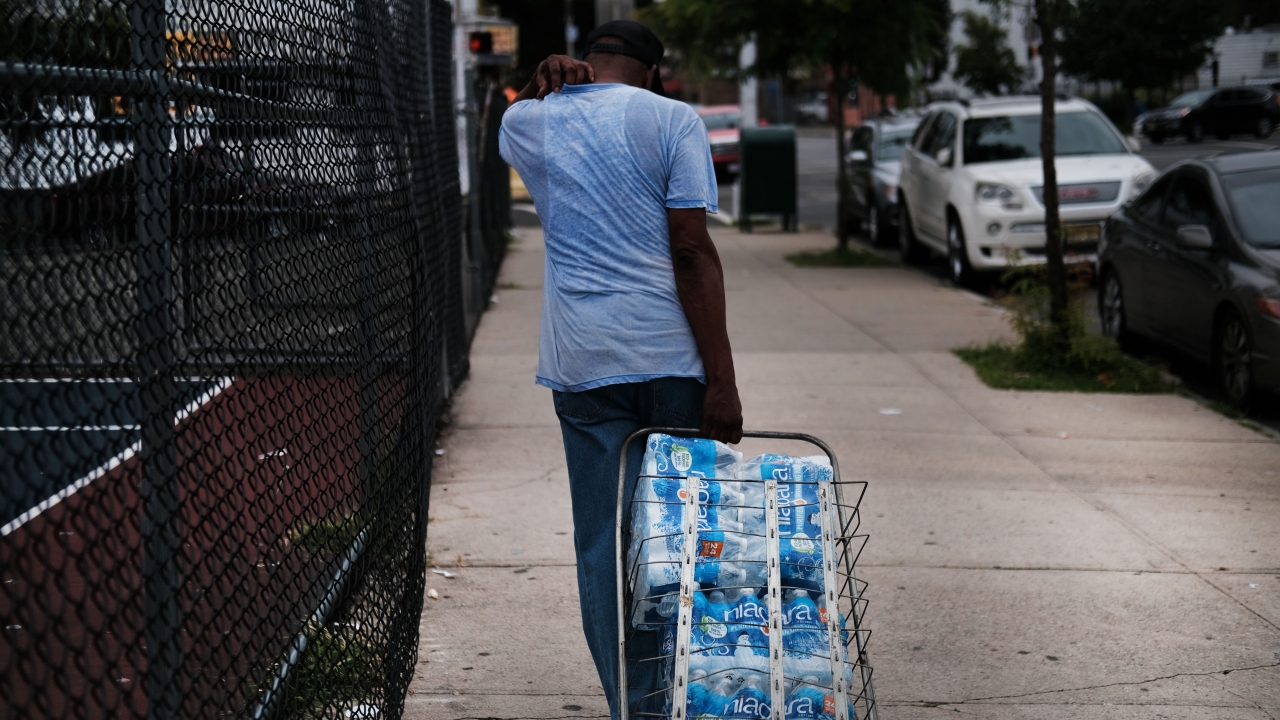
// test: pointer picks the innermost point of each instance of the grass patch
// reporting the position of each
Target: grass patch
(835, 257)
(327, 535)
(337, 668)
(1061, 355)
(1006, 367)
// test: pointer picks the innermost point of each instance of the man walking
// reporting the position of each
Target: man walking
(633, 309)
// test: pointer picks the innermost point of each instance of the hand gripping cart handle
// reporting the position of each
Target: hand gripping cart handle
(843, 593)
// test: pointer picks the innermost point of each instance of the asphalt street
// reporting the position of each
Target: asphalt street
(1162, 156)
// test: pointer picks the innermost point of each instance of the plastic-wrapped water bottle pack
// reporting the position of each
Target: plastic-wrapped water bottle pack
(729, 637)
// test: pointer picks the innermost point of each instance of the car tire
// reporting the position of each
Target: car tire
(958, 266)
(1156, 139)
(1112, 313)
(1233, 359)
(909, 248)
(1264, 128)
(1195, 131)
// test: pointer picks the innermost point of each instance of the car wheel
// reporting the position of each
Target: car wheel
(874, 234)
(1264, 128)
(909, 247)
(1195, 132)
(958, 255)
(1156, 139)
(1233, 360)
(1111, 309)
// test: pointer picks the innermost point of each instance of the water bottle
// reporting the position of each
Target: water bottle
(743, 502)
(807, 700)
(709, 630)
(803, 631)
(720, 690)
(800, 532)
(750, 619)
(752, 701)
(697, 697)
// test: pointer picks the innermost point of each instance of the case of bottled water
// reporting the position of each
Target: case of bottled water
(729, 673)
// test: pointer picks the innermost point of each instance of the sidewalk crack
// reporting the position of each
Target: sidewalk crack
(1214, 673)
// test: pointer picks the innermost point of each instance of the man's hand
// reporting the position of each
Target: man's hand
(700, 285)
(553, 73)
(722, 412)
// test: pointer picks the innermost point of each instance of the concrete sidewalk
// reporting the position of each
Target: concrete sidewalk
(1031, 555)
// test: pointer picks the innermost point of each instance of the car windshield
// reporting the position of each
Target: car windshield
(1190, 99)
(1253, 200)
(892, 144)
(1013, 137)
(722, 121)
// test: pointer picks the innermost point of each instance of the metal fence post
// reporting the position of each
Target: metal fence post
(157, 391)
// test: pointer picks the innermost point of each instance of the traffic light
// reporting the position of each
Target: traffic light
(482, 43)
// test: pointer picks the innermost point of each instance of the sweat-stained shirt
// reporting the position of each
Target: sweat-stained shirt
(603, 163)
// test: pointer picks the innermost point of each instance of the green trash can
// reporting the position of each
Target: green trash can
(767, 176)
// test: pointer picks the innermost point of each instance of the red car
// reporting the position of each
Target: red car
(722, 123)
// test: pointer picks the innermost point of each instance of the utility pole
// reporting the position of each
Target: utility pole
(570, 29)
(747, 86)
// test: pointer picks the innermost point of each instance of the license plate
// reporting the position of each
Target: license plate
(1081, 234)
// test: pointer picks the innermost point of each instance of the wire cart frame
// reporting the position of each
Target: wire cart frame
(851, 682)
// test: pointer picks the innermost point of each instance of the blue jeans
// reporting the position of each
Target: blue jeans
(594, 424)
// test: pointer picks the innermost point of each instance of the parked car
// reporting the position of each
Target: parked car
(971, 187)
(1195, 262)
(1223, 112)
(813, 110)
(874, 163)
(722, 123)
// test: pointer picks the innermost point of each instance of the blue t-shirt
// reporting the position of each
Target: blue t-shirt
(602, 163)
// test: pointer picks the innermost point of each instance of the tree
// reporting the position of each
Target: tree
(1138, 43)
(1049, 15)
(883, 45)
(986, 64)
(1249, 13)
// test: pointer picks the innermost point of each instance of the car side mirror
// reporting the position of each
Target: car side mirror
(944, 157)
(858, 156)
(1194, 237)
(1134, 143)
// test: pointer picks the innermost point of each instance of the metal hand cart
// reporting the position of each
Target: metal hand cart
(655, 683)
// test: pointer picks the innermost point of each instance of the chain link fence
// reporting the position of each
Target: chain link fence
(237, 283)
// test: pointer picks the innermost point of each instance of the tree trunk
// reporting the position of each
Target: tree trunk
(1131, 100)
(1046, 18)
(842, 190)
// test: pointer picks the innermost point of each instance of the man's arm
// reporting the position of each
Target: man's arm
(700, 285)
(554, 72)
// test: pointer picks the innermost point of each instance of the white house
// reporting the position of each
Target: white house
(1245, 58)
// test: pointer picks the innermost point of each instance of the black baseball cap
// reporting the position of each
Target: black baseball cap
(638, 42)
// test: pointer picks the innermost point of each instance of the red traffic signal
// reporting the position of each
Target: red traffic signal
(482, 43)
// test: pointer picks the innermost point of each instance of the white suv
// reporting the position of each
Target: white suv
(972, 183)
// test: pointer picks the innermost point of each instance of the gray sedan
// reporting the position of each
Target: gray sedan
(873, 168)
(1195, 262)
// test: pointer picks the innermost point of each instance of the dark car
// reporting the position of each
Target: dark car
(1195, 262)
(874, 163)
(1222, 112)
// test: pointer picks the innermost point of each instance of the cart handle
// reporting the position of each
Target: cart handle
(624, 702)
